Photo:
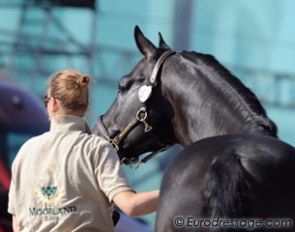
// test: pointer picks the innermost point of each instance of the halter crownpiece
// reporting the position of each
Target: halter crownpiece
(145, 91)
(160, 61)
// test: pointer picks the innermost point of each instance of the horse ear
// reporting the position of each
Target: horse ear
(146, 47)
(162, 43)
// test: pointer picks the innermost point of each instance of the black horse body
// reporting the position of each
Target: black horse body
(232, 165)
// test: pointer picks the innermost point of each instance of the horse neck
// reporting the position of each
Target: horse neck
(203, 109)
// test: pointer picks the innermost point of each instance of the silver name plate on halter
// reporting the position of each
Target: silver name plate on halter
(144, 93)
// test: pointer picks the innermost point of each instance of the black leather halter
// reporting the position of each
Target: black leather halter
(144, 94)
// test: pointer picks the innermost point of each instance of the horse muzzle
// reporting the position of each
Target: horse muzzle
(117, 138)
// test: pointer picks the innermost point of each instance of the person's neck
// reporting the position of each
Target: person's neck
(60, 114)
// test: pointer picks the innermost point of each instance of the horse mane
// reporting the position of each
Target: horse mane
(241, 96)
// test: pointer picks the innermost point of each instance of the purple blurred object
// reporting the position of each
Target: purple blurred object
(21, 111)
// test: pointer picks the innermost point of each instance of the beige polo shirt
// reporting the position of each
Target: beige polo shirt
(65, 180)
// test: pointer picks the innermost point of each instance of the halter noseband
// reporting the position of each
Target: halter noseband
(144, 94)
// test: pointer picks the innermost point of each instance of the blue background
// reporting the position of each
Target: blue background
(254, 39)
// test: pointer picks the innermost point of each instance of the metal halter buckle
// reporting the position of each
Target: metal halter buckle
(141, 116)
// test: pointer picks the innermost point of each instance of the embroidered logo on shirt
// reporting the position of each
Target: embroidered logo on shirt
(47, 203)
(48, 187)
(49, 192)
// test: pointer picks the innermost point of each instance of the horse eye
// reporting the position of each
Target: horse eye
(119, 88)
(141, 78)
(124, 84)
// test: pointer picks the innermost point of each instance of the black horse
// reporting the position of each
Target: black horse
(232, 167)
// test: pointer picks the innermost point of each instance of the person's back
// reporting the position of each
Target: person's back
(56, 171)
(66, 179)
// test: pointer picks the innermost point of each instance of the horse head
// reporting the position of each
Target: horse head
(139, 120)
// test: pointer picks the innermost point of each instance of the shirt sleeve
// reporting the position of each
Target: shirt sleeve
(11, 197)
(13, 185)
(111, 178)
(12, 188)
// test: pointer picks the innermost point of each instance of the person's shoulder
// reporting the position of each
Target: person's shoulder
(23, 151)
(102, 149)
(99, 145)
(98, 141)
(35, 139)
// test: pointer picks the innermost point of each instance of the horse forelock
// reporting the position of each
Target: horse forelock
(238, 95)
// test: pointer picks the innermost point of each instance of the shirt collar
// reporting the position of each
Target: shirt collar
(64, 123)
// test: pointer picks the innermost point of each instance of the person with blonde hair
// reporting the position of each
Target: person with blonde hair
(68, 179)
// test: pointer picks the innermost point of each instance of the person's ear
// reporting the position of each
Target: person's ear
(54, 105)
